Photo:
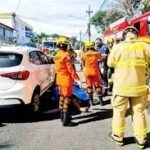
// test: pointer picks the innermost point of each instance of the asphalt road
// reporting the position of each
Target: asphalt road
(22, 131)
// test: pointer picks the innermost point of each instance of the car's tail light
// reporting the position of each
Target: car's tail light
(20, 75)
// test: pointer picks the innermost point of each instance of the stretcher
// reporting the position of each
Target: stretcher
(77, 91)
(80, 93)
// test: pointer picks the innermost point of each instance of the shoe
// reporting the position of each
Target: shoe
(141, 145)
(91, 100)
(118, 142)
(67, 120)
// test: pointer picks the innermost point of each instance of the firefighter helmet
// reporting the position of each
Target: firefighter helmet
(62, 40)
(89, 44)
(110, 40)
(130, 29)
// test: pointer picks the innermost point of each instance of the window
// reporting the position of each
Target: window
(8, 35)
(10, 59)
(43, 58)
(137, 26)
(1, 33)
(149, 28)
(34, 58)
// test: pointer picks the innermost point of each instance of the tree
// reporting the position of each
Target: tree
(39, 37)
(103, 18)
(97, 19)
(128, 7)
(54, 35)
(146, 4)
(133, 7)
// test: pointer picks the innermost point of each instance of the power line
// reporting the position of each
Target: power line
(103, 3)
(18, 5)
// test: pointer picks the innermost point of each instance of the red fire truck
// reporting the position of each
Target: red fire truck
(141, 23)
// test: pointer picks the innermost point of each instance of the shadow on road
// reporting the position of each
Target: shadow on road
(49, 109)
(130, 140)
(5, 145)
(100, 115)
(23, 117)
(107, 102)
(148, 141)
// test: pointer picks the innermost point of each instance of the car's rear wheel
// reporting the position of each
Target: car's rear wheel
(35, 102)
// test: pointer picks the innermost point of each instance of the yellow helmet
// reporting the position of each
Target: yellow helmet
(89, 44)
(130, 29)
(110, 40)
(62, 40)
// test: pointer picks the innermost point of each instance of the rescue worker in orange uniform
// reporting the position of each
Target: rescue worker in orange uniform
(91, 70)
(65, 78)
(77, 103)
(129, 58)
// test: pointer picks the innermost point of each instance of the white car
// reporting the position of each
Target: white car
(25, 74)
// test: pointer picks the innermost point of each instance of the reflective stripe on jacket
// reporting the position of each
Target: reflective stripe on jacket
(129, 60)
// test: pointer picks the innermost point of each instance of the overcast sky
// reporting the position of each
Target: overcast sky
(53, 16)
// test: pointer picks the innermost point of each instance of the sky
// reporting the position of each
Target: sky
(64, 17)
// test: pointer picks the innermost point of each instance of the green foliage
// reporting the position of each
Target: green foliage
(77, 45)
(54, 35)
(39, 37)
(97, 19)
(103, 18)
(146, 4)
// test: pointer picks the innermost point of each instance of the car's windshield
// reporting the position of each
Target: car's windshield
(10, 59)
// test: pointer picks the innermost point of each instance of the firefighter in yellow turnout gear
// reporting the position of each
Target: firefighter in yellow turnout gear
(129, 58)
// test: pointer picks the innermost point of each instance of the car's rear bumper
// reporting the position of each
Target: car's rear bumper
(8, 102)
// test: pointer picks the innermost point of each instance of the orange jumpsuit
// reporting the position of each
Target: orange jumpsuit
(66, 75)
(91, 69)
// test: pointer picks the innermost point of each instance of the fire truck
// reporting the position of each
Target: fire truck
(49, 46)
(141, 23)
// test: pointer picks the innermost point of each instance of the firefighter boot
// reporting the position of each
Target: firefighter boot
(61, 103)
(66, 112)
(91, 99)
(66, 119)
(99, 95)
(61, 115)
(100, 98)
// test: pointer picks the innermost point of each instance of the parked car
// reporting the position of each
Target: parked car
(25, 74)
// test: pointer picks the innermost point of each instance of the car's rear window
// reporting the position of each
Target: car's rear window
(10, 59)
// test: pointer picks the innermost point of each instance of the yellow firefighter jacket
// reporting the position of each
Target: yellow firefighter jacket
(129, 60)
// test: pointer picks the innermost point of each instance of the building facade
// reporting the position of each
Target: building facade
(6, 34)
(23, 32)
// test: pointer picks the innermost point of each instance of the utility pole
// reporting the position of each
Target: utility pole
(89, 12)
(15, 30)
(80, 39)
